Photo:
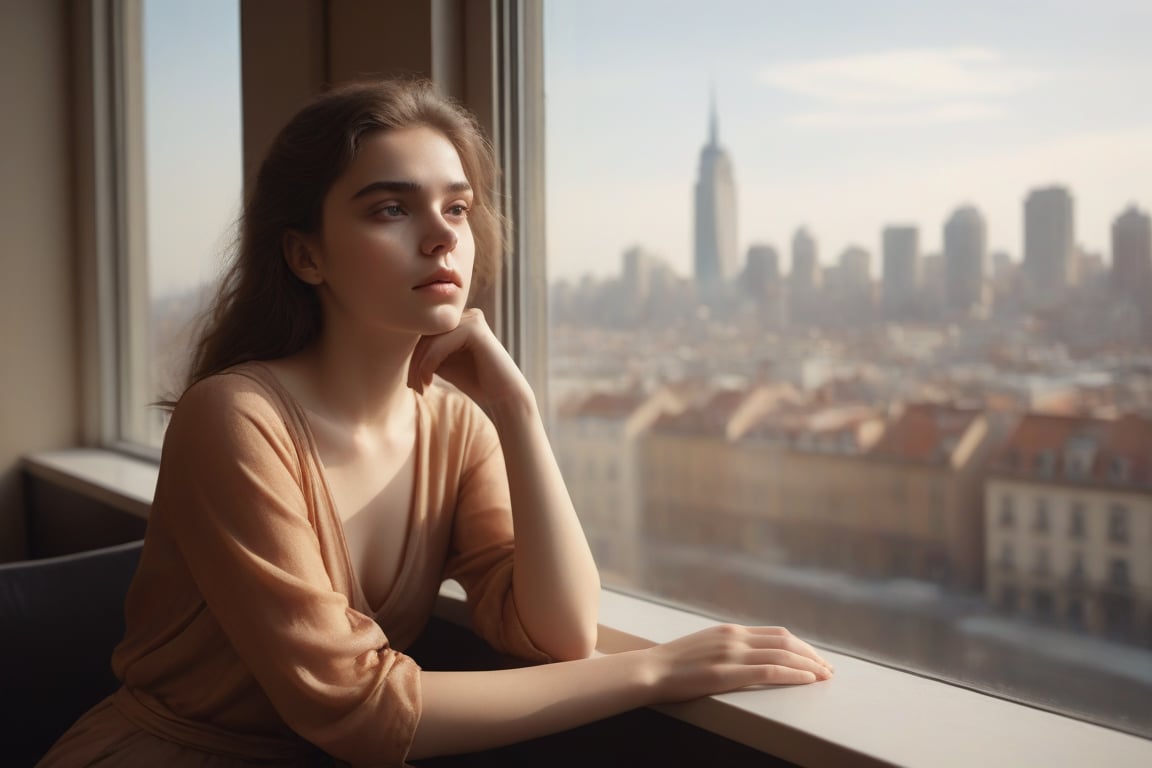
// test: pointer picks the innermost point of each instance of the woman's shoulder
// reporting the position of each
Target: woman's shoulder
(246, 389)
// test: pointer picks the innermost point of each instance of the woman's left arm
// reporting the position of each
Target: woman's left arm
(555, 583)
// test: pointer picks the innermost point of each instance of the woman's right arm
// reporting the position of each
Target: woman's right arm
(470, 711)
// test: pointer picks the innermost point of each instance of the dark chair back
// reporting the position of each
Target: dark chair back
(60, 618)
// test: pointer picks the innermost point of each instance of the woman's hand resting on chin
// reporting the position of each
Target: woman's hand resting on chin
(471, 358)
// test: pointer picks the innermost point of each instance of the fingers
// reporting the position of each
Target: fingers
(782, 659)
(432, 351)
(428, 356)
(778, 675)
(791, 643)
(776, 655)
(729, 656)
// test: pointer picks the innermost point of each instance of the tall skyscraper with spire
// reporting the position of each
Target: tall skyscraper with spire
(715, 257)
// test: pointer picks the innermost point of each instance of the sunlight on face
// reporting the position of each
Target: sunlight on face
(396, 249)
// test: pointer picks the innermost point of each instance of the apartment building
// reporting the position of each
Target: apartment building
(1068, 514)
(595, 437)
(838, 486)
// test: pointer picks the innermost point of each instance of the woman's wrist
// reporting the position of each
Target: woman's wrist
(649, 675)
(513, 408)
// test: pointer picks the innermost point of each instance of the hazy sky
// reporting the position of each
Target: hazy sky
(841, 116)
(192, 134)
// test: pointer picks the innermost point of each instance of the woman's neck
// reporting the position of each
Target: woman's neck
(359, 384)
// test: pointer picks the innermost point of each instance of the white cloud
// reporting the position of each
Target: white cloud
(898, 77)
(939, 114)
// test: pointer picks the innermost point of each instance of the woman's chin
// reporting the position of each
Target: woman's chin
(443, 319)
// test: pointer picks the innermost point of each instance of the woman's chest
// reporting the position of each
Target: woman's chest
(372, 490)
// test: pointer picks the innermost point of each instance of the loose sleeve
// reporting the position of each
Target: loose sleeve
(483, 543)
(231, 491)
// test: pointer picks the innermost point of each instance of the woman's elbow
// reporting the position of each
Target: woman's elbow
(575, 645)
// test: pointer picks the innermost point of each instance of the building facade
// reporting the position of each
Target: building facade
(1068, 516)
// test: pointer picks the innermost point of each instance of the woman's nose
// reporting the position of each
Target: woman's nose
(440, 239)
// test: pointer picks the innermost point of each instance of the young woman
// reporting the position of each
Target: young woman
(319, 481)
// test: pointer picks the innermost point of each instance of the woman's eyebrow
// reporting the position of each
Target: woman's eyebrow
(407, 186)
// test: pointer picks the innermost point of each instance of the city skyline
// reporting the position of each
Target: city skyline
(831, 127)
(875, 253)
(842, 129)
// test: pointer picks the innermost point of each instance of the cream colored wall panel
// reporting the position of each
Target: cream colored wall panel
(38, 372)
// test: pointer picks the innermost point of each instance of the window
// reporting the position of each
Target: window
(1040, 564)
(1118, 574)
(1076, 520)
(1120, 467)
(1079, 453)
(754, 218)
(1076, 572)
(1045, 462)
(1118, 524)
(1007, 557)
(1007, 511)
(179, 177)
(1040, 517)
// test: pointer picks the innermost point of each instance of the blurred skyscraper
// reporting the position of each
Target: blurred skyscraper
(716, 260)
(761, 269)
(902, 278)
(804, 280)
(763, 285)
(1132, 265)
(965, 260)
(1049, 246)
(637, 274)
(1132, 256)
(847, 288)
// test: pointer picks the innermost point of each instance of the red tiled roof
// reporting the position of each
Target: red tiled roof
(707, 418)
(924, 432)
(1080, 449)
(607, 405)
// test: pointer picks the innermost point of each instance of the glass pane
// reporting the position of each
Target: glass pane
(851, 326)
(185, 195)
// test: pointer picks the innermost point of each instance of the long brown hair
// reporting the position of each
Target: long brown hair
(262, 310)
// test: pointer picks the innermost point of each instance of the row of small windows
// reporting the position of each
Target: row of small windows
(1041, 519)
(1118, 571)
(1078, 464)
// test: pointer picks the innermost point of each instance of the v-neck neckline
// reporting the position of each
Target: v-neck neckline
(411, 529)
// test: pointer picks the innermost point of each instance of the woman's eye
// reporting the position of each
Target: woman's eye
(390, 211)
(458, 209)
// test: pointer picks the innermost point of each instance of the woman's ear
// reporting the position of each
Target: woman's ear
(300, 254)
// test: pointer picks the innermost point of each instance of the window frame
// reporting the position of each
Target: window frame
(521, 320)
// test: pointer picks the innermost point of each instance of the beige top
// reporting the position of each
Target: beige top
(248, 633)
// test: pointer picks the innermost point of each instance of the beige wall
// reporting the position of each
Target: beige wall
(38, 349)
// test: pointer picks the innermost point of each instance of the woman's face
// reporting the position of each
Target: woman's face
(395, 251)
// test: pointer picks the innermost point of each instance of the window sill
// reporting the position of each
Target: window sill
(868, 715)
(122, 482)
